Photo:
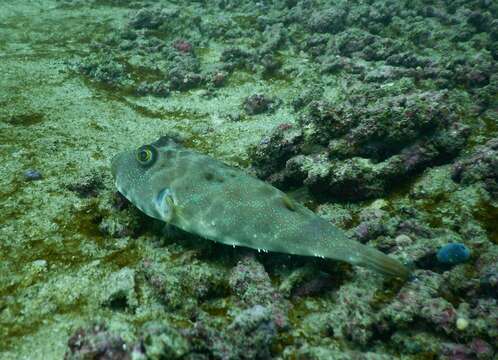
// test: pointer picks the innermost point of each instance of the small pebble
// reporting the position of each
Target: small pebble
(403, 240)
(257, 104)
(40, 263)
(462, 324)
(379, 204)
(32, 175)
(39, 266)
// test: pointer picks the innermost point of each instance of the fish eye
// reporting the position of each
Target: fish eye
(146, 155)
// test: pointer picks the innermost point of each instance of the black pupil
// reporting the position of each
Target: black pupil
(144, 156)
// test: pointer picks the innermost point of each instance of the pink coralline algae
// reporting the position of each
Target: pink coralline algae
(183, 46)
(96, 343)
(251, 284)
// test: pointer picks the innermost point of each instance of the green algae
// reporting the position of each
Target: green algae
(246, 21)
(240, 77)
(86, 222)
(140, 73)
(386, 294)
(490, 126)
(111, 3)
(25, 119)
(18, 331)
(216, 308)
(432, 206)
(487, 214)
(126, 257)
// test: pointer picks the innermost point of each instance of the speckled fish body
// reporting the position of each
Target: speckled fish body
(206, 197)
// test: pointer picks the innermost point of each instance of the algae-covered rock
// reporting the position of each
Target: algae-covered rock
(357, 152)
(251, 284)
(150, 18)
(119, 293)
(183, 286)
(482, 166)
(252, 332)
(257, 104)
(95, 342)
(162, 341)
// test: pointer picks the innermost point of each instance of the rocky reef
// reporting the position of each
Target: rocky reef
(381, 116)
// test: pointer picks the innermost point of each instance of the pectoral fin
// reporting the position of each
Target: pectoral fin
(165, 205)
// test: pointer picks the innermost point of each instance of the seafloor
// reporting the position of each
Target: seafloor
(379, 115)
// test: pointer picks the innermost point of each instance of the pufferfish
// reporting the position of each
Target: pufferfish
(206, 197)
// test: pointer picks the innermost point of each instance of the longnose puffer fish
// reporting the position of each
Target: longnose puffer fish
(206, 197)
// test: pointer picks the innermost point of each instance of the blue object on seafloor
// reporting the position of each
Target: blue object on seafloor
(32, 175)
(452, 254)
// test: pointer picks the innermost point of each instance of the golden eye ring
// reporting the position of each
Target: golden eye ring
(146, 155)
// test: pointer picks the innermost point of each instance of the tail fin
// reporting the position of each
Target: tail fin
(380, 262)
